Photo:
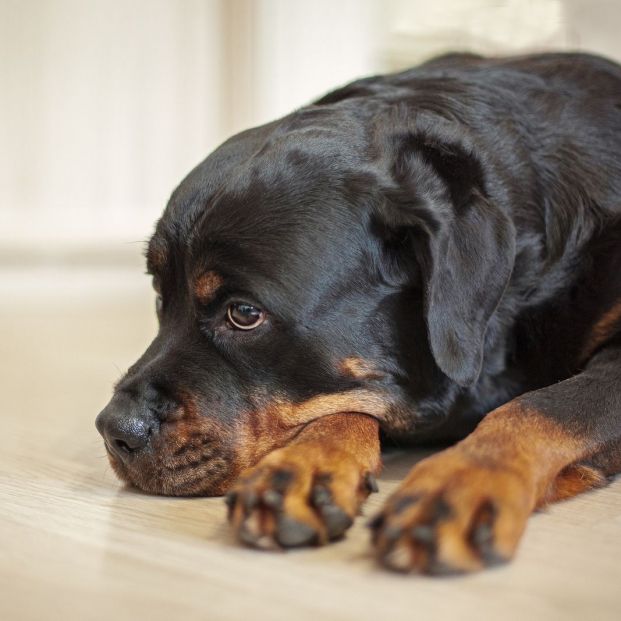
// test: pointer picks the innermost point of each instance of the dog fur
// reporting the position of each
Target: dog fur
(433, 254)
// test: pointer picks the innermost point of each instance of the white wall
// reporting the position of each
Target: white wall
(106, 104)
(308, 48)
(418, 29)
(282, 54)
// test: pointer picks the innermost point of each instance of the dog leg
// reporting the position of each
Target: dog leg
(308, 492)
(467, 507)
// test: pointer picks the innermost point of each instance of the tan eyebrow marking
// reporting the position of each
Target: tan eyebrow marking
(358, 368)
(206, 285)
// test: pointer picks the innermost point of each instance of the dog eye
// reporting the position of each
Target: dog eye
(245, 316)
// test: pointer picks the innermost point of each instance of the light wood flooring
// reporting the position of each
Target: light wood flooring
(74, 544)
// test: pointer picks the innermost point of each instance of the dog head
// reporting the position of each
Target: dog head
(328, 262)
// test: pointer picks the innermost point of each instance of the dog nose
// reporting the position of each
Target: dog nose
(126, 427)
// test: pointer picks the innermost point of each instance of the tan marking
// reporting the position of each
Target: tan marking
(206, 286)
(191, 455)
(527, 442)
(360, 401)
(516, 460)
(358, 368)
(603, 329)
(187, 435)
(341, 448)
(511, 438)
(275, 425)
(574, 480)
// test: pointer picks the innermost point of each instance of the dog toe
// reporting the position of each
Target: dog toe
(285, 502)
(454, 519)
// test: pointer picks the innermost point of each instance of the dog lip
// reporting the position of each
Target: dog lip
(154, 479)
(162, 468)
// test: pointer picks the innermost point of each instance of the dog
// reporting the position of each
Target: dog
(433, 255)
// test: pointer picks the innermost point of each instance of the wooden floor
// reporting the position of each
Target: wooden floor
(76, 545)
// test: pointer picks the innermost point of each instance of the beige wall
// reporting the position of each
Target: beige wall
(417, 29)
(106, 104)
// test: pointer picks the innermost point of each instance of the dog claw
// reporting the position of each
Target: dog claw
(281, 480)
(249, 532)
(392, 533)
(424, 534)
(320, 496)
(370, 483)
(290, 533)
(398, 559)
(250, 501)
(247, 537)
(230, 499)
(336, 520)
(482, 535)
(273, 499)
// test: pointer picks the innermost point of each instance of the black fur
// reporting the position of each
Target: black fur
(455, 225)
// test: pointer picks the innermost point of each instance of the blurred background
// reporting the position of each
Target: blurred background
(106, 104)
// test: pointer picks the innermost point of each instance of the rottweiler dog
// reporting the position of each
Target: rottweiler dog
(432, 255)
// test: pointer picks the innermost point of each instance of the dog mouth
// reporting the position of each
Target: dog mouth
(191, 465)
(191, 454)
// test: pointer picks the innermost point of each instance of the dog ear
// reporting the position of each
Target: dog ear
(464, 243)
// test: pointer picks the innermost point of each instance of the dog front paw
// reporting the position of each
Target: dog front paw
(298, 496)
(452, 515)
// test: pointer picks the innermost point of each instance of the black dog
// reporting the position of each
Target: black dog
(408, 253)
